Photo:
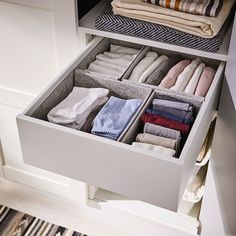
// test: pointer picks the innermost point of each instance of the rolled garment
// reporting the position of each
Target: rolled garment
(119, 68)
(114, 117)
(156, 102)
(205, 81)
(98, 75)
(161, 131)
(138, 70)
(155, 148)
(106, 71)
(76, 107)
(115, 61)
(156, 140)
(192, 84)
(185, 76)
(177, 115)
(170, 79)
(123, 50)
(168, 123)
(205, 8)
(156, 77)
(152, 68)
(114, 55)
(203, 26)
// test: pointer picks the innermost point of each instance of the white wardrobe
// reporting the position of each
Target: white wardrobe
(153, 206)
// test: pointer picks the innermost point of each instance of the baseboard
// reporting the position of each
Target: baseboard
(74, 190)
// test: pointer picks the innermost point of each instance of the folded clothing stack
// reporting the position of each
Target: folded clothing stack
(112, 64)
(114, 117)
(175, 23)
(175, 73)
(166, 123)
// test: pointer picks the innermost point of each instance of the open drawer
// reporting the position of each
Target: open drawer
(112, 165)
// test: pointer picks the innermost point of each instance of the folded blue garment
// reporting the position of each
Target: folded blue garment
(177, 115)
(114, 117)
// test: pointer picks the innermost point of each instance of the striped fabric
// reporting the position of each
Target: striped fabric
(15, 223)
(197, 7)
(108, 21)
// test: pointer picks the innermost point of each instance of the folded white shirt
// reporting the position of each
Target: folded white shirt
(123, 49)
(76, 107)
(114, 55)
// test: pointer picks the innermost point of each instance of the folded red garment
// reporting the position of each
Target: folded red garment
(165, 122)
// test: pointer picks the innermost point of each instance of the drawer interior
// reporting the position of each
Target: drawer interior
(115, 166)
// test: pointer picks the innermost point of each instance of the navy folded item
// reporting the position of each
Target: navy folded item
(175, 114)
(115, 115)
(108, 21)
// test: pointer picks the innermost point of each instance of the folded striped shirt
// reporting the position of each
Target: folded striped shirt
(197, 7)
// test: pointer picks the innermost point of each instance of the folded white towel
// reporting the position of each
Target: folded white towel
(192, 84)
(151, 68)
(114, 61)
(155, 148)
(114, 55)
(185, 76)
(138, 70)
(76, 107)
(103, 70)
(98, 75)
(124, 50)
(109, 65)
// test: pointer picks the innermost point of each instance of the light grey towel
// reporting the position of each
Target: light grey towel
(161, 131)
(167, 103)
(156, 140)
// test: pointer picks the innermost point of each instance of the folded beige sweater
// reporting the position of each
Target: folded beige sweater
(203, 26)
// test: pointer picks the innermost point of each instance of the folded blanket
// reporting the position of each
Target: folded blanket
(156, 77)
(156, 140)
(107, 21)
(138, 70)
(205, 81)
(114, 117)
(174, 114)
(161, 131)
(159, 120)
(158, 103)
(76, 107)
(155, 148)
(185, 76)
(152, 68)
(204, 7)
(123, 50)
(170, 79)
(192, 84)
(203, 26)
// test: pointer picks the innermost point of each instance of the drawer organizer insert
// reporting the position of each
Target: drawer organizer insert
(111, 165)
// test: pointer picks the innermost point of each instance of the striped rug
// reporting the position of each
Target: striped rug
(15, 223)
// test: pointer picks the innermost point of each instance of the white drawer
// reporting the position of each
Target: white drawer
(112, 165)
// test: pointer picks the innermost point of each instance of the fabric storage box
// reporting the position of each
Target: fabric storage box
(110, 165)
(104, 45)
(170, 54)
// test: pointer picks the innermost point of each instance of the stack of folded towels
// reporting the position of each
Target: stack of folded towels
(112, 64)
(166, 122)
(175, 73)
(90, 110)
(197, 24)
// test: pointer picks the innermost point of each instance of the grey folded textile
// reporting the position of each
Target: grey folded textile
(172, 104)
(161, 131)
(156, 140)
(114, 117)
(160, 72)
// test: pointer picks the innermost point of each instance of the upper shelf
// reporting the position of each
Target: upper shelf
(87, 25)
